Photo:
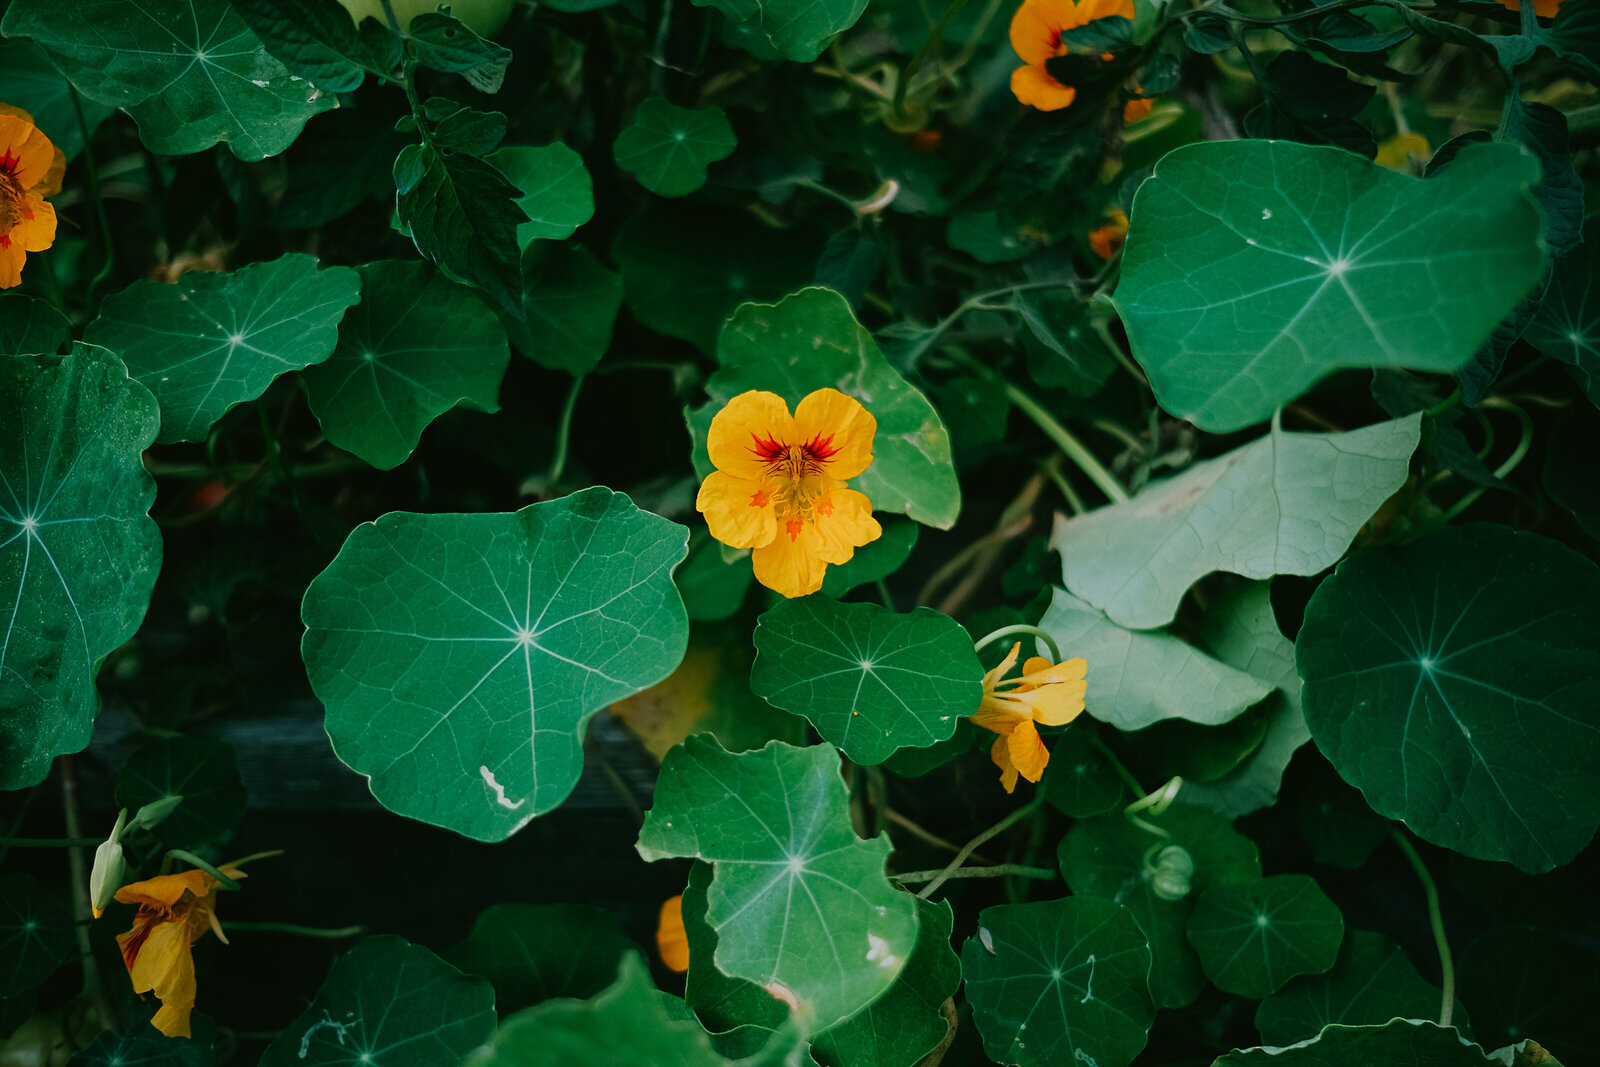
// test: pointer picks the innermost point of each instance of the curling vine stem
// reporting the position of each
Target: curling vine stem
(558, 464)
(1019, 628)
(972, 846)
(1447, 970)
(999, 870)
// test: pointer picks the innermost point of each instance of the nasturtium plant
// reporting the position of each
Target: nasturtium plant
(437, 502)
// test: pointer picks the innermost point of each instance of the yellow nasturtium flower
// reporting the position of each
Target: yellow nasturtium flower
(175, 911)
(779, 487)
(1036, 36)
(30, 170)
(1045, 692)
(1398, 151)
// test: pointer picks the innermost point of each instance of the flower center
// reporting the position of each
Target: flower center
(796, 477)
(11, 197)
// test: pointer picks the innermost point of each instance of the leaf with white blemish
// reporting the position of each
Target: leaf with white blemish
(460, 656)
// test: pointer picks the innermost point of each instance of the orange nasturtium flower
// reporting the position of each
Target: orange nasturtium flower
(779, 486)
(1045, 692)
(1107, 238)
(1036, 35)
(1545, 9)
(175, 911)
(671, 940)
(30, 170)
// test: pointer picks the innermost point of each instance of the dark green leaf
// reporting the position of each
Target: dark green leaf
(342, 160)
(35, 934)
(787, 29)
(30, 81)
(319, 41)
(1253, 937)
(1064, 349)
(1568, 323)
(722, 1002)
(476, 133)
(203, 771)
(1108, 34)
(1079, 780)
(1313, 103)
(444, 44)
(873, 561)
(668, 147)
(850, 263)
(713, 588)
(979, 235)
(1523, 982)
(142, 1044)
(1453, 681)
(31, 327)
(1569, 468)
(536, 952)
(557, 192)
(463, 215)
(570, 302)
(1543, 131)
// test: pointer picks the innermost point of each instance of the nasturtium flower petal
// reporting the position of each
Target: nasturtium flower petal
(789, 565)
(30, 170)
(738, 510)
(748, 418)
(1036, 29)
(1032, 86)
(844, 522)
(830, 416)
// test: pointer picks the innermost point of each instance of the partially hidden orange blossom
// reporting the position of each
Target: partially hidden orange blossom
(671, 940)
(30, 170)
(779, 487)
(1045, 692)
(1107, 238)
(1545, 9)
(1134, 110)
(1397, 151)
(175, 911)
(1036, 36)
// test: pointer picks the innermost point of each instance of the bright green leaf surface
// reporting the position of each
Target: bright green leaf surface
(870, 681)
(534, 952)
(1254, 937)
(30, 81)
(142, 1044)
(1371, 982)
(668, 147)
(392, 1003)
(811, 341)
(1453, 680)
(1059, 982)
(35, 933)
(417, 345)
(1242, 632)
(190, 72)
(203, 771)
(1398, 1043)
(1287, 503)
(790, 29)
(722, 1002)
(78, 550)
(1078, 780)
(29, 326)
(571, 303)
(1254, 268)
(557, 192)
(1105, 857)
(873, 561)
(210, 341)
(1568, 323)
(463, 214)
(459, 656)
(798, 901)
(1138, 678)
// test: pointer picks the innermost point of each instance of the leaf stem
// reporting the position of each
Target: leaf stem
(999, 870)
(1019, 628)
(336, 934)
(1117, 765)
(1447, 970)
(926, 835)
(82, 908)
(1510, 464)
(972, 846)
(558, 464)
(107, 246)
(195, 861)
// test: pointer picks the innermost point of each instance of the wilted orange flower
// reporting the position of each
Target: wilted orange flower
(1108, 238)
(1036, 35)
(779, 486)
(175, 911)
(1045, 692)
(30, 170)
(671, 940)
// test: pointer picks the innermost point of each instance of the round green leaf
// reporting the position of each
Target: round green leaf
(1568, 323)
(668, 147)
(1253, 937)
(1287, 503)
(35, 934)
(1079, 781)
(459, 656)
(210, 341)
(30, 81)
(1254, 268)
(570, 304)
(533, 952)
(190, 72)
(202, 771)
(722, 1002)
(873, 561)
(1140, 677)
(417, 345)
(1453, 680)
(557, 192)
(1522, 982)
(1371, 982)
(714, 588)
(1397, 1043)
(29, 326)
(389, 1003)
(799, 903)
(870, 681)
(1105, 857)
(810, 340)
(78, 550)
(790, 29)
(142, 1044)
(1059, 982)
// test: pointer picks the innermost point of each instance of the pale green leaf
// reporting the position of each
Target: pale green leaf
(668, 147)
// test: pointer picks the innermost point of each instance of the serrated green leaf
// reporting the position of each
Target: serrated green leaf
(445, 44)
(1241, 631)
(873, 561)
(417, 345)
(810, 340)
(468, 130)
(557, 192)
(799, 902)
(1287, 503)
(31, 327)
(668, 147)
(190, 72)
(319, 41)
(536, 952)
(209, 341)
(1371, 982)
(1105, 857)
(78, 550)
(30, 81)
(201, 770)
(462, 691)
(787, 29)
(1521, 982)
(1453, 680)
(141, 1044)
(1397, 1043)
(1252, 937)
(869, 680)
(1140, 677)
(462, 214)
(35, 934)
(1254, 268)
(388, 1002)
(1568, 323)
(570, 302)
(1089, 953)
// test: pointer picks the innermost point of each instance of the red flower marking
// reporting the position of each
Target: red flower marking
(820, 447)
(794, 526)
(768, 448)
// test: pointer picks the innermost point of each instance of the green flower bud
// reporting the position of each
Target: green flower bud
(105, 877)
(155, 813)
(1173, 871)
